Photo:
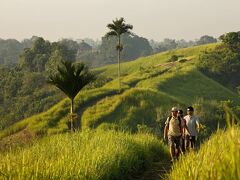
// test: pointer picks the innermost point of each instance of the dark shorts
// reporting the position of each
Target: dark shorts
(190, 141)
(174, 141)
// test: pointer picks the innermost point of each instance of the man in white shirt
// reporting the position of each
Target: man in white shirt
(193, 125)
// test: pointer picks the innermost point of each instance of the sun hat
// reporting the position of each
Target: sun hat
(174, 109)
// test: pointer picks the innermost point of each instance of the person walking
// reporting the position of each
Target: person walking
(193, 125)
(184, 129)
(172, 130)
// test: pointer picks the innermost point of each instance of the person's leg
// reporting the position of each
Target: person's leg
(183, 144)
(193, 142)
(177, 142)
(187, 142)
(171, 145)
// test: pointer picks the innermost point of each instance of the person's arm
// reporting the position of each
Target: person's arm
(185, 126)
(198, 125)
(182, 126)
(165, 131)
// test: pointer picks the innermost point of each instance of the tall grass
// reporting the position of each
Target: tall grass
(86, 155)
(219, 158)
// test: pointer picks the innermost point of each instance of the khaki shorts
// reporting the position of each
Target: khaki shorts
(174, 141)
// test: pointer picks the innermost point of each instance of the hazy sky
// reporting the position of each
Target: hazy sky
(153, 19)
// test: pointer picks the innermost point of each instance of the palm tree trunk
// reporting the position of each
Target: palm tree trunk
(71, 115)
(119, 51)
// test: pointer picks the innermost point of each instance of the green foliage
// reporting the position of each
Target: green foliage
(118, 27)
(221, 64)
(212, 116)
(85, 155)
(10, 49)
(218, 158)
(44, 55)
(170, 44)
(150, 87)
(54, 119)
(71, 78)
(174, 58)
(134, 47)
(232, 41)
(34, 59)
(206, 40)
(23, 94)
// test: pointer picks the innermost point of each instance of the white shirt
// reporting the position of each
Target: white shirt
(191, 122)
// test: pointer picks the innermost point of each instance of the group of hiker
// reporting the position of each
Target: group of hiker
(181, 131)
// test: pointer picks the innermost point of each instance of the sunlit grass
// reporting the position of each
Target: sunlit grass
(219, 158)
(86, 155)
(151, 61)
(158, 86)
(133, 107)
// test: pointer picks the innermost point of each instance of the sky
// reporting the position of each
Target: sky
(152, 19)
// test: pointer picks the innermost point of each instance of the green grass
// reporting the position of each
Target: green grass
(85, 155)
(150, 87)
(128, 110)
(218, 158)
(54, 120)
(186, 84)
(153, 60)
(147, 89)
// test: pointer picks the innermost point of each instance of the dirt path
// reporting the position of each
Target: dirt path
(158, 171)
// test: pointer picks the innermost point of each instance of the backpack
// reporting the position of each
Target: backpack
(179, 119)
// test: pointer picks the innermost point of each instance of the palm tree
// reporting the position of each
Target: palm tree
(71, 78)
(117, 28)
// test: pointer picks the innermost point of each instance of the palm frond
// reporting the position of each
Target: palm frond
(71, 78)
(118, 27)
(111, 33)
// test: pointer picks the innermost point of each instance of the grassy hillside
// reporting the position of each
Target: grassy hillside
(132, 108)
(85, 155)
(115, 142)
(54, 120)
(219, 158)
(154, 60)
(151, 85)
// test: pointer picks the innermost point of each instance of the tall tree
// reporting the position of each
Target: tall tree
(117, 28)
(232, 41)
(71, 78)
(206, 40)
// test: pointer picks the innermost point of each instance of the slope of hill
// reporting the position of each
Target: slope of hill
(151, 85)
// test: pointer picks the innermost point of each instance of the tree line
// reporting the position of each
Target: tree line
(223, 62)
(94, 53)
